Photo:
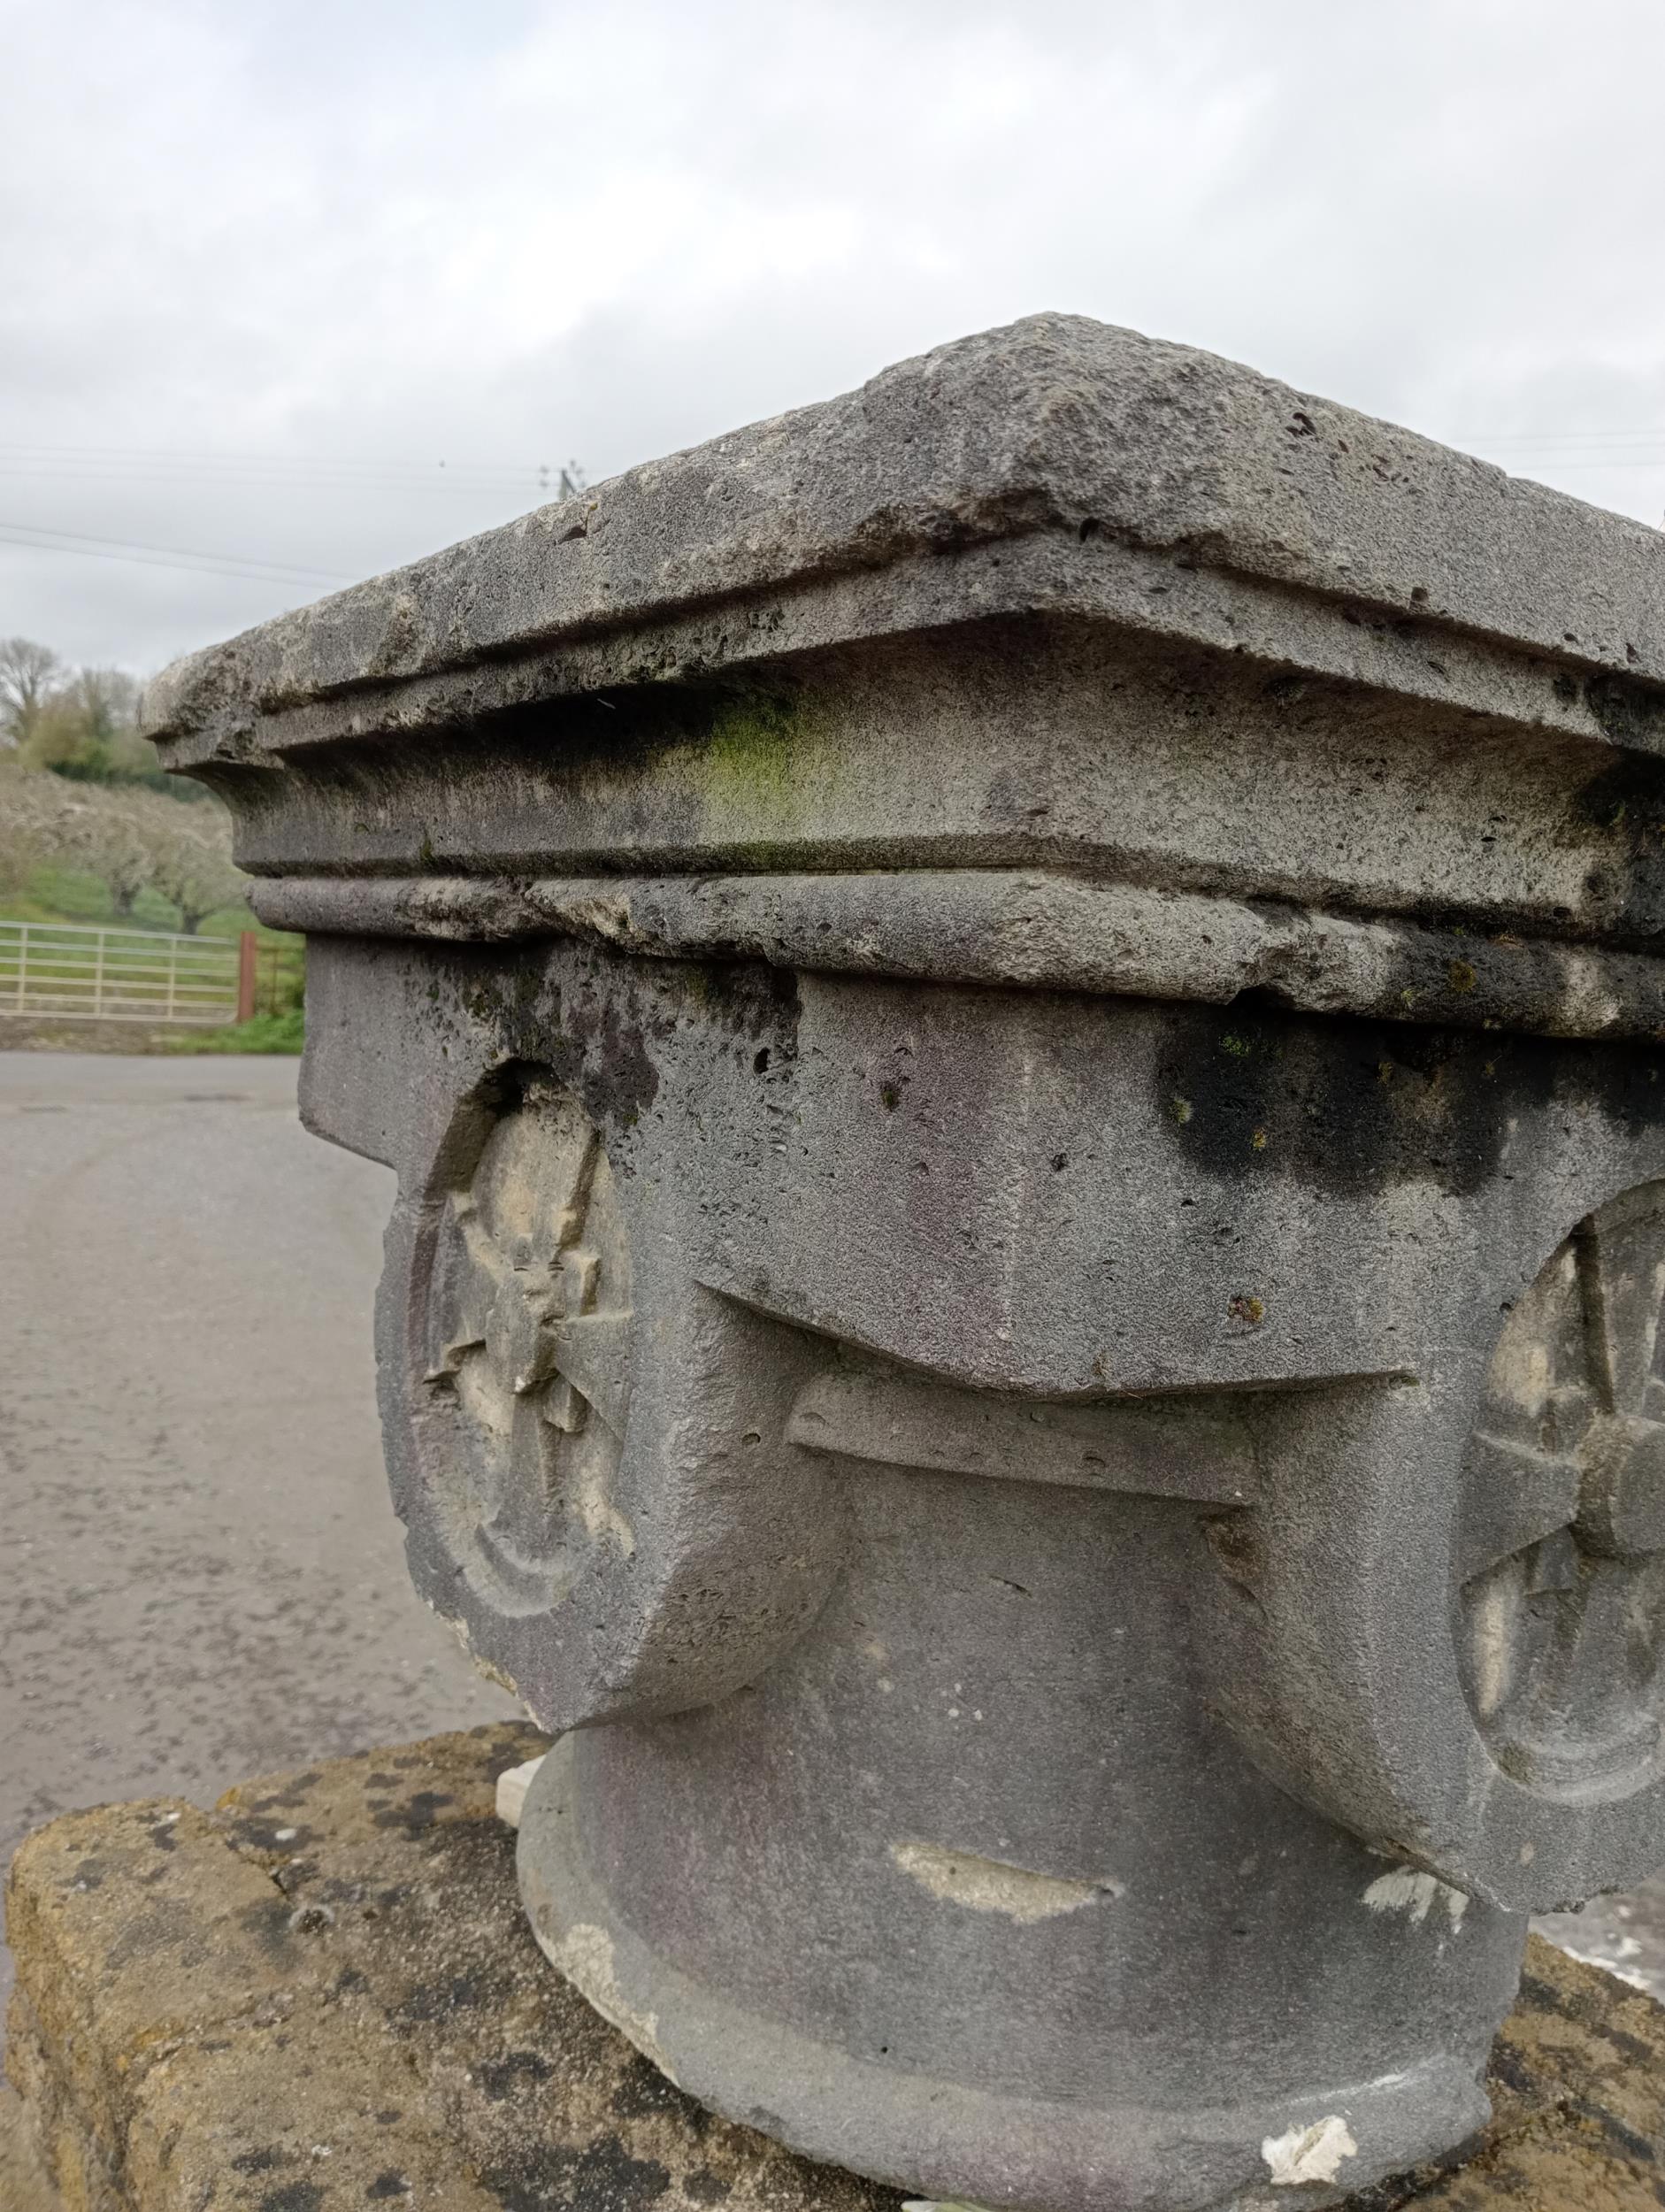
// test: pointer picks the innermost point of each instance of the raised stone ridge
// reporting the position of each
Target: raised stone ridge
(1057, 430)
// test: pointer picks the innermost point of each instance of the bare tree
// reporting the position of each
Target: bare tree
(193, 863)
(116, 837)
(132, 839)
(29, 675)
(35, 813)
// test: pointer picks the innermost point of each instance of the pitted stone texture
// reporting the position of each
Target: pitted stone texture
(1056, 427)
(25, 2186)
(323, 1996)
(1053, 689)
(1059, 656)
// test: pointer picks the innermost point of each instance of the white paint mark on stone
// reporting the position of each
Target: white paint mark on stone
(600, 1516)
(1309, 2153)
(1407, 1890)
(512, 1785)
(584, 1954)
(961, 1878)
(284, 1835)
(1491, 1624)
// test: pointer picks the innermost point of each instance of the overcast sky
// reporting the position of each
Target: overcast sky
(266, 265)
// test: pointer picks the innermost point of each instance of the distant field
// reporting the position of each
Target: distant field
(69, 895)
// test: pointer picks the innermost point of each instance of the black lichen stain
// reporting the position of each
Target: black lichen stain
(388, 2184)
(268, 1923)
(499, 2076)
(617, 1078)
(1614, 2130)
(644, 2090)
(261, 2161)
(416, 1814)
(294, 2196)
(443, 2001)
(286, 1800)
(600, 1023)
(1509, 2071)
(546, 2177)
(591, 1039)
(705, 2188)
(1630, 712)
(1621, 815)
(748, 1002)
(1353, 1107)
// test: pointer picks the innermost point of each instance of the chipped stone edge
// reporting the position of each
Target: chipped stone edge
(1315, 2153)
(512, 1785)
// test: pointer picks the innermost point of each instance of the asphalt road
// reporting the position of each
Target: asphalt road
(201, 1576)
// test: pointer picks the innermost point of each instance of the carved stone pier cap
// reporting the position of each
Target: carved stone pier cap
(1020, 1021)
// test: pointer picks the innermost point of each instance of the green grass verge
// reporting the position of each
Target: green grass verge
(266, 1033)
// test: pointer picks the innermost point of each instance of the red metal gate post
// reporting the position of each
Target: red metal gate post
(248, 946)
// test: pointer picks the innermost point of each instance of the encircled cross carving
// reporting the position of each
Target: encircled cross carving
(528, 1332)
(1560, 1532)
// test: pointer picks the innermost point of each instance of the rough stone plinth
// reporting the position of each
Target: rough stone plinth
(1022, 1024)
(322, 1995)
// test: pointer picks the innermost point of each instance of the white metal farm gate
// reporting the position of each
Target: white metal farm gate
(67, 971)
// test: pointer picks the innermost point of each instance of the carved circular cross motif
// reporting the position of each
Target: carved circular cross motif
(527, 1331)
(1560, 1535)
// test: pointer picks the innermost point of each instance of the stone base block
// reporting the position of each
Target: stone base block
(323, 1995)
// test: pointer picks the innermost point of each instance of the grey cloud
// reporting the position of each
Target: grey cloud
(399, 236)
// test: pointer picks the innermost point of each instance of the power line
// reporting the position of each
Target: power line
(297, 478)
(1563, 467)
(37, 540)
(17, 458)
(1555, 437)
(229, 453)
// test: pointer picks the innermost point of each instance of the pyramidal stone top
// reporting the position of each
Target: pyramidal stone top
(1045, 448)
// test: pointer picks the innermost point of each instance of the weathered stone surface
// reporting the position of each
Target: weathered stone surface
(1048, 434)
(323, 1996)
(25, 2184)
(1019, 1023)
(1057, 596)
